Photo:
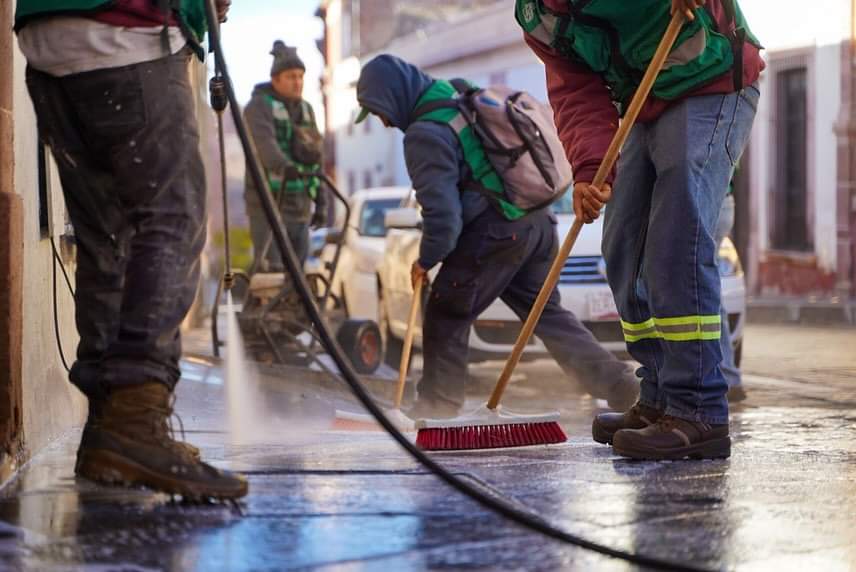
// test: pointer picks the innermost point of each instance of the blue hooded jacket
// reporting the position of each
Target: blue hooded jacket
(390, 87)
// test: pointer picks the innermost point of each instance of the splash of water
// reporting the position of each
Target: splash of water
(257, 416)
(241, 380)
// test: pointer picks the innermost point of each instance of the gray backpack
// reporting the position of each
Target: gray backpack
(519, 139)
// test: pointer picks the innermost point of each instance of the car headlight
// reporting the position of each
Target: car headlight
(729, 261)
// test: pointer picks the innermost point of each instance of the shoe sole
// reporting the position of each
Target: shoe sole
(601, 435)
(109, 468)
(714, 449)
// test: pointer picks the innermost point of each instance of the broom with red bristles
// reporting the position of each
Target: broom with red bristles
(489, 427)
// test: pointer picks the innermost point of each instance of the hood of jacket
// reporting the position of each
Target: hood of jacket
(390, 87)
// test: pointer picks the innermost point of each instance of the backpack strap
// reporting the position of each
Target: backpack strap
(427, 108)
(462, 86)
(737, 38)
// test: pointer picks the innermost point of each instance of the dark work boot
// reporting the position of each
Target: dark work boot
(130, 444)
(605, 425)
(674, 438)
(96, 407)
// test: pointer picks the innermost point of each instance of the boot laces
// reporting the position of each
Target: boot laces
(162, 423)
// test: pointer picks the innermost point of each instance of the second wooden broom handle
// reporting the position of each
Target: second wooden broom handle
(606, 165)
(408, 343)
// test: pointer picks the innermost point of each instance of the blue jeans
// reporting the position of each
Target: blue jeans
(660, 251)
(495, 258)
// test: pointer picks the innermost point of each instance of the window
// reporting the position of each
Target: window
(372, 216)
(790, 228)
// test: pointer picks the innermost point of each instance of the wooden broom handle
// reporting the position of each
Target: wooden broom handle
(408, 342)
(606, 165)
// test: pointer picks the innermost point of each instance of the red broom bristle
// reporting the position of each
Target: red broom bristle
(490, 436)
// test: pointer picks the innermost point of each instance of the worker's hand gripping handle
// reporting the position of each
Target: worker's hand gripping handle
(606, 165)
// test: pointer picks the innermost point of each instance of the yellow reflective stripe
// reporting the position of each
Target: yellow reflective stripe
(631, 338)
(649, 323)
(676, 329)
(682, 320)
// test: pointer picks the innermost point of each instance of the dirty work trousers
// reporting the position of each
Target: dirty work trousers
(297, 229)
(494, 259)
(661, 254)
(126, 145)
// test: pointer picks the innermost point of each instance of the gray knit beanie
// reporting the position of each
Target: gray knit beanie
(284, 58)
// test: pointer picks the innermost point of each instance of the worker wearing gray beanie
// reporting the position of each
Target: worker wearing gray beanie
(290, 147)
(284, 58)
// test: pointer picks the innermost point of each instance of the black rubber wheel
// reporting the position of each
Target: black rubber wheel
(362, 343)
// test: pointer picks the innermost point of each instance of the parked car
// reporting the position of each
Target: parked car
(355, 281)
(582, 285)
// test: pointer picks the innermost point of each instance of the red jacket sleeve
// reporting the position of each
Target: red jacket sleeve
(583, 111)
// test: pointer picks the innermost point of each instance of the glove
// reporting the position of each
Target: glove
(319, 219)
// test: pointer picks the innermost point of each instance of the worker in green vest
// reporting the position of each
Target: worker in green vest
(289, 145)
(669, 184)
(488, 250)
(112, 94)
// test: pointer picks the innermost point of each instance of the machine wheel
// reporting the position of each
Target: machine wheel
(362, 343)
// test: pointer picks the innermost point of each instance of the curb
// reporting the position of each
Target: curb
(802, 311)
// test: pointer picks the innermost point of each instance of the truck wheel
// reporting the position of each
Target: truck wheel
(362, 344)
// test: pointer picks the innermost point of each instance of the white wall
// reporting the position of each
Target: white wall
(51, 405)
(827, 99)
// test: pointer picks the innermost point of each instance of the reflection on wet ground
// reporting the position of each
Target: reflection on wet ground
(352, 500)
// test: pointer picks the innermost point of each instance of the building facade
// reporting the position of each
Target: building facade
(796, 195)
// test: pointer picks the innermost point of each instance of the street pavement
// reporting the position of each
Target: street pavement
(323, 497)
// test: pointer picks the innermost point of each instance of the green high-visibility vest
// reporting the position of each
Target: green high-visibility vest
(284, 127)
(618, 38)
(191, 13)
(482, 172)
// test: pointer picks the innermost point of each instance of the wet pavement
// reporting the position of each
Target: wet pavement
(329, 499)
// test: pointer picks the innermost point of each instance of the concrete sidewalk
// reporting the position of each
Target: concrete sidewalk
(353, 500)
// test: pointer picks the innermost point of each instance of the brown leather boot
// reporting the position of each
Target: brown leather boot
(605, 425)
(131, 445)
(674, 438)
(96, 407)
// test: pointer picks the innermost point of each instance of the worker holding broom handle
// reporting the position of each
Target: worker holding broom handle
(665, 197)
(489, 249)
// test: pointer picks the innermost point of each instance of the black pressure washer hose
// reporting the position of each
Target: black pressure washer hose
(291, 263)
